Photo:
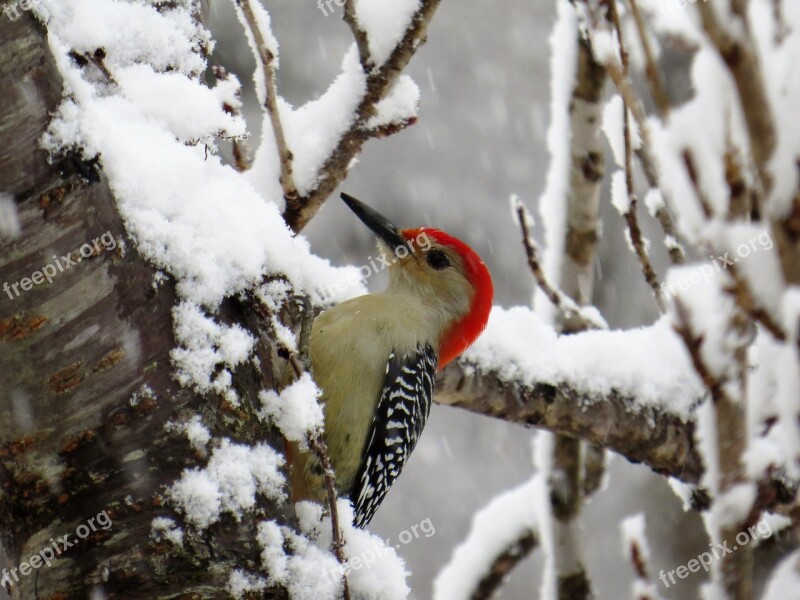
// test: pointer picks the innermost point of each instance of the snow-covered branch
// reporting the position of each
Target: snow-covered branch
(620, 390)
(386, 102)
(502, 534)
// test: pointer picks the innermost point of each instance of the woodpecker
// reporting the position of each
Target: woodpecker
(375, 359)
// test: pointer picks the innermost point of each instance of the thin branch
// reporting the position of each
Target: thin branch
(657, 88)
(315, 441)
(638, 552)
(97, 58)
(677, 255)
(631, 216)
(503, 564)
(571, 312)
(317, 444)
(691, 169)
(267, 59)
(694, 344)
(239, 147)
(594, 468)
(637, 240)
(359, 35)
(625, 88)
(733, 572)
(742, 293)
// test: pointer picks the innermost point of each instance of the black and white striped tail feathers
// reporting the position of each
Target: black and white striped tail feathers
(401, 415)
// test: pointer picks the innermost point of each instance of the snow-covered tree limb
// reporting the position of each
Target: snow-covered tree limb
(502, 534)
(646, 434)
(380, 79)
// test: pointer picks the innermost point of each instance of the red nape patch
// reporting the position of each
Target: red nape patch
(468, 328)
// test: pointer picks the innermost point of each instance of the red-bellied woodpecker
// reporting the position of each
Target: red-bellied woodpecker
(375, 358)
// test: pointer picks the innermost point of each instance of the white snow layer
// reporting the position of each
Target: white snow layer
(312, 572)
(9, 219)
(563, 61)
(199, 436)
(785, 581)
(241, 583)
(385, 22)
(648, 364)
(165, 528)
(296, 411)
(229, 483)
(614, 129)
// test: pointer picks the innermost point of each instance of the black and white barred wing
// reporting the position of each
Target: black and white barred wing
(399, 419)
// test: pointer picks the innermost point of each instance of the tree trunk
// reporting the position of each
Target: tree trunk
(80, 434)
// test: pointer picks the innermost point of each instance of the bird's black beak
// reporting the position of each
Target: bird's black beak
(380, 225)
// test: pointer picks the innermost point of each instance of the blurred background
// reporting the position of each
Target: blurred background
(483, 118)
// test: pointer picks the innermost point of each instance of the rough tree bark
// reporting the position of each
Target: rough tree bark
(74, 353)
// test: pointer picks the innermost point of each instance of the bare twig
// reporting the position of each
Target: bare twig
(741, 290)
(625, 89)
(691, 169)
(240, 149)
(594, 468)
(657, 89)
(640, 249)
(693, 345)
(631, 217)
(267, 59)
(622, 82)
(317, 444)
(97, 58)
(638, 553)
(359, 35)
(566, 305)
(316, 441)
(742, 293)
(677, 255)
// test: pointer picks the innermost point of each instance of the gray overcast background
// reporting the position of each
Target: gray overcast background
(484, 81)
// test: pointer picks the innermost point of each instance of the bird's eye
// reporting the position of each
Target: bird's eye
(438, 260)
